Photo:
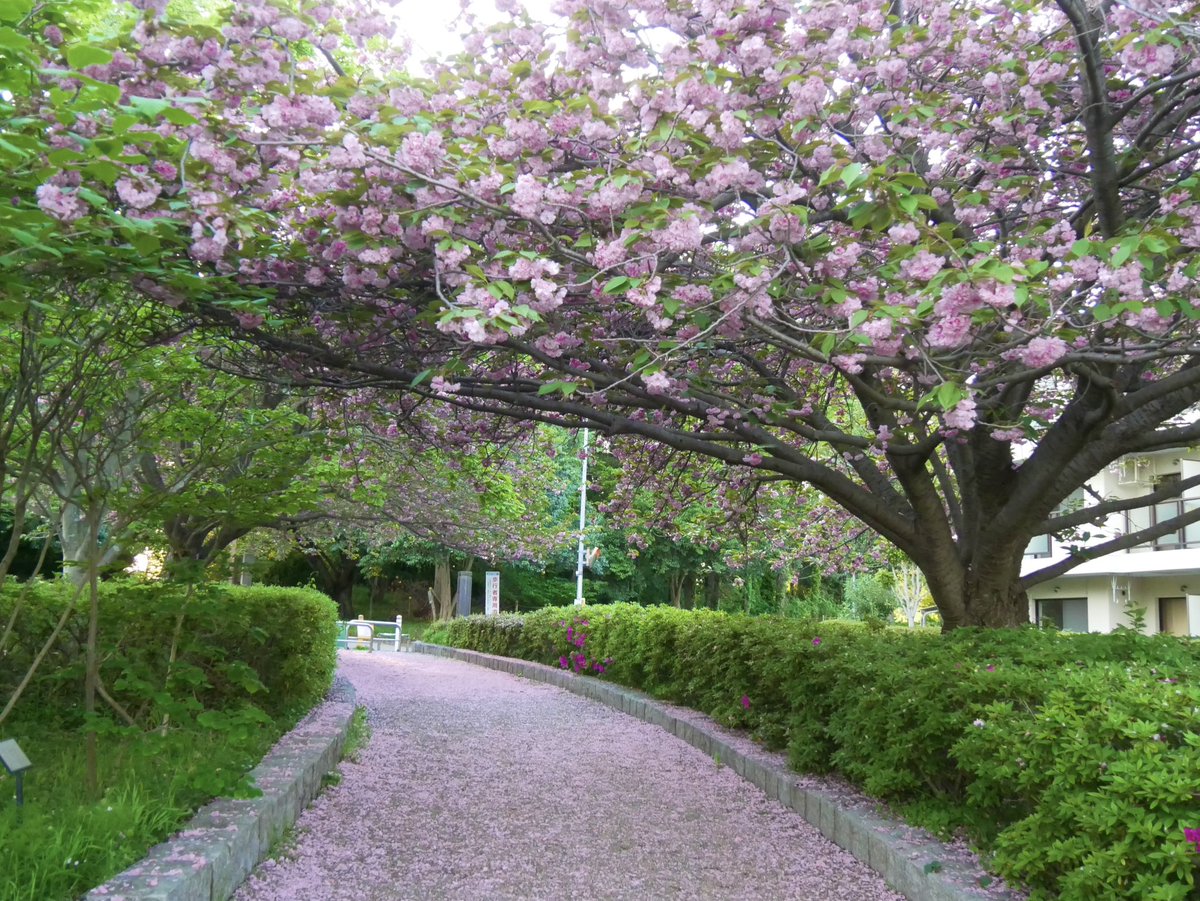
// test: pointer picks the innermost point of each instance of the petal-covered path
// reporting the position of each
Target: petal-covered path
(477, 784)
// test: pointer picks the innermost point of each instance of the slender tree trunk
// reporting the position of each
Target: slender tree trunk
(689, 590)
(14, 538)
(72, 534)
(442, 594)
(676, 588)
(41, 655)
(235, 565)
(173, 654)
(24, 595)
(712, 590)
(92, 656)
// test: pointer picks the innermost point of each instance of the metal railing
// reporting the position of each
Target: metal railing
(369, 633)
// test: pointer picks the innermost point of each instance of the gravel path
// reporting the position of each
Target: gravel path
(480, 785)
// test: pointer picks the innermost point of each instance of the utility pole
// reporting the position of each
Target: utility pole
(582, 522)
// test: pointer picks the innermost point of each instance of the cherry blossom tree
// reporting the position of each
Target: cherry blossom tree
(936, 260)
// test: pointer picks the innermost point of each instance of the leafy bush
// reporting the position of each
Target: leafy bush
(1073, 758)
(247, 663)
(273, 647)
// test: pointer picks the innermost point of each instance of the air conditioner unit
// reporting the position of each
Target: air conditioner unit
(1133, 471)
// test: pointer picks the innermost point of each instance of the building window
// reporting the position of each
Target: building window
(1173, 616)
(1066, 614)
(1041, 545)
(1188, 536)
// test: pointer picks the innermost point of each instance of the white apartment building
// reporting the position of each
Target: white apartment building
(1162, 577)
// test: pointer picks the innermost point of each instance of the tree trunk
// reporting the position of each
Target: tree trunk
(712, 590)
(92, 656)
(675, 581)
(999, 607)
(15, 536)
(689, 591)
(989, 595)
(73, 536)
(443, 596)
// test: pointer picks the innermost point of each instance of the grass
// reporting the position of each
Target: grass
(417, 628)
(358, 734)
(432, 632)
(62, 843)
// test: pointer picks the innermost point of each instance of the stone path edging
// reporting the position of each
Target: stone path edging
(873, 839)
(211, 856)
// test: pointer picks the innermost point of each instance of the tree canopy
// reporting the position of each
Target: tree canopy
(936, 260)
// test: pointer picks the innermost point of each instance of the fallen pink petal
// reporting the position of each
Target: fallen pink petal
(459, 793)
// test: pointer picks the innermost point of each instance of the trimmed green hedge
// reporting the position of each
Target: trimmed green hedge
(272, 647)
(1073, 760)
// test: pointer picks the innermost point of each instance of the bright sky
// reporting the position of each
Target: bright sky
(431, 24)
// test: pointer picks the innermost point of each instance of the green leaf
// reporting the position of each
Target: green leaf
(103, 170)
(851, 174)
(948, 394)
(15, 10)
(14, 40)
(150, 107)
(616, 284)
(64, 156)
(83, 55)
(1125, 250)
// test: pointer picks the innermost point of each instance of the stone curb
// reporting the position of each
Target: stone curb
(210, 857)
(897, 852)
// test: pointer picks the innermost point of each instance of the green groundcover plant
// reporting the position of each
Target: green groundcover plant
(247, 663)
(1071, 761)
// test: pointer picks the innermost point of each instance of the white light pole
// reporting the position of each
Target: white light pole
(582, 522)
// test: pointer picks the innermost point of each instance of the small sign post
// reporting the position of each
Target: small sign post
(15, 762)
(492, 593)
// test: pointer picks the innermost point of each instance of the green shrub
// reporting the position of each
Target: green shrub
(1074, 759)
(273, 647)
(247, 663)
(1093, 787)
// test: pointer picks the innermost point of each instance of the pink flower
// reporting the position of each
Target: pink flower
(904, 233)
(1042, 352)
(962, 416)
(952, 331)
(137, 195)
(745, 702)
(657, 383)
(681, 235)
(60, 204)
(816, 642)
(922, 266)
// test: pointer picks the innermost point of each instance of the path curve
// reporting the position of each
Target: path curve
(477, 784)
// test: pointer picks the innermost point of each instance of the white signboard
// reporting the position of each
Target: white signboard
(491, 593)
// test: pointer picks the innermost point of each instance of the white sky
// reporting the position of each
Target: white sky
(431, 27)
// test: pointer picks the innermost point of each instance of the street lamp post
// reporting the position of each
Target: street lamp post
(582, 523)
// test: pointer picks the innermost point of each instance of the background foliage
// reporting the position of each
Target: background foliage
(1070, 758)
